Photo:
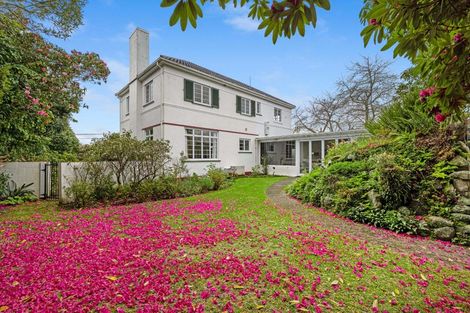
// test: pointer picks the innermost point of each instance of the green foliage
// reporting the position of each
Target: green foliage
(442, 170)
(405, 114)
(370, 179)
(56, 18)
(392, 219)
(130, 160)
(257, 170)
(13, 190)
(217, 175)
(40, 91)
(14, 200)
(80, 194)
(393, 181)
(434, 36)
(282, 18)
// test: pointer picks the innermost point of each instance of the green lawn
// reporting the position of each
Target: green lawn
(289, 264)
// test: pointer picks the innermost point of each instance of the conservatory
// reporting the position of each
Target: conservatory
(292, 155)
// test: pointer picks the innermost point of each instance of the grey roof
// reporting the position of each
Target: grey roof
(354, 133)
(223, 77)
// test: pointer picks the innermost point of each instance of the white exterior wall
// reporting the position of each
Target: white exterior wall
(231, 126)
(142, 115)
(169, 114)
(225, 117)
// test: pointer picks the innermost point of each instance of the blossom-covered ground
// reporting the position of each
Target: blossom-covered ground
(230, 250)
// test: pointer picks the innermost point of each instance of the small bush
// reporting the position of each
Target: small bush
(217, 175)
(393, 181)
(18, 199)
(257, 170)
(81, 194)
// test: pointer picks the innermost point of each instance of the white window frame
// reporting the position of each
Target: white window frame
(205, 137)
(148, 133)
(245, 103)
(258, 108)
(278, 117)
(126, 105)
(244, 145)
(270, 147)
(201, 88)
(148, 92)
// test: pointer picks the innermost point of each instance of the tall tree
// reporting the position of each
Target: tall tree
(39, 87)
(56, 18)
(321, 114)
(368, 87)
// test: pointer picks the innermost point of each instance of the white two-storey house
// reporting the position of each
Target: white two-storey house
(207, 116)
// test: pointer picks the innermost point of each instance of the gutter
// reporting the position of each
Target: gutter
(160, 61)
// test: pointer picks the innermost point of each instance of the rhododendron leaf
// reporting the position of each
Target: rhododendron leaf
(3, 308)
(238, 287)
(112, 278)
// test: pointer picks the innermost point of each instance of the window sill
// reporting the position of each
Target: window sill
(277, 122)
(202, 160)
(246, 152)
(148, 103)
(127, 114)
(203, 104)
(244, 114)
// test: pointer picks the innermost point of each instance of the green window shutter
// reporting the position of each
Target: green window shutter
(239, 104)
(188, 90)
(253, 107)
(215, 98)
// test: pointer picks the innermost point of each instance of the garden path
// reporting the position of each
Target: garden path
(419, 246)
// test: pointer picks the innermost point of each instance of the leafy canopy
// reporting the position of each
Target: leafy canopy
(39, 89)
(278, 19)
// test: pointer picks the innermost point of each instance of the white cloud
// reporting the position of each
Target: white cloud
(243, 22)
(119, 75)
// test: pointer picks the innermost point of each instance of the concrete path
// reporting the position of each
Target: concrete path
(444, 251)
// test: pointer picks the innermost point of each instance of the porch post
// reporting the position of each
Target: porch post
(322, 151)
(297, 156)
(309, 156)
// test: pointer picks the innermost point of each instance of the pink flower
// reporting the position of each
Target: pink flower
(458, 38)
(373, 21)
(439, 117)
(43, 113)
(423, 94)
(35, 101)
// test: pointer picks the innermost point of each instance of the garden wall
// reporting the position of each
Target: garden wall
(24, 173)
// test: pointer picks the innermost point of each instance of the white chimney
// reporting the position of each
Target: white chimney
(138, 52)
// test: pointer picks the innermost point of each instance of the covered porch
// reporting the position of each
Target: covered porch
(293, 155)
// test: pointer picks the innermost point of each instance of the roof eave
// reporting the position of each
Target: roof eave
(235, 86)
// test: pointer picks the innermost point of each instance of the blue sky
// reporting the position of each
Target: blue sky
(295, 69)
